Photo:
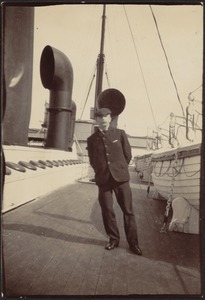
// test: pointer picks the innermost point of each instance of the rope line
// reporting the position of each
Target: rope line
(165, 172)
(177, 171)
(86, 100)
(196, 89)
(155, 21)
(140, 67)
(168, 116)
(106, 74)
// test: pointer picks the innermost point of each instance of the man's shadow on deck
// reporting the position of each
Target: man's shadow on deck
(52, 233)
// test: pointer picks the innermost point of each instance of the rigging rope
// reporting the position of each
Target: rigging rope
(167, 59)
(164, 120)
(106, 74)
(196, 89)
(88, 93)
(140, 67)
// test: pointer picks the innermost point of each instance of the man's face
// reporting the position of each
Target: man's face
(104, 121)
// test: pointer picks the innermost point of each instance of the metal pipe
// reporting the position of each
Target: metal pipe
(57, 75)
(72, 125)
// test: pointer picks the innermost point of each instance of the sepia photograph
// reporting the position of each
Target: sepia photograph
(101, 149)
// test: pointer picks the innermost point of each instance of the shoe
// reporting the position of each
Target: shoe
(136, 250)
(111, 245)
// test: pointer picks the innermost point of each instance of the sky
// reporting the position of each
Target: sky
(135, 62)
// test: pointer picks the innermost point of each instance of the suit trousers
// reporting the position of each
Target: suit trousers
(124, 198)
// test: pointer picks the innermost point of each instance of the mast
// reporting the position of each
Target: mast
(100, 61)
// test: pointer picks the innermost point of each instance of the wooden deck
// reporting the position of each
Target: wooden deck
(54, 246)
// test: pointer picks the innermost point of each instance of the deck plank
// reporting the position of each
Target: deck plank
(54, 246)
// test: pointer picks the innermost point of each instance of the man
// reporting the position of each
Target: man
(110, 153)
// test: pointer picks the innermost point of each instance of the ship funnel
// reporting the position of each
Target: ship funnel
(17, 67)
(57, 75)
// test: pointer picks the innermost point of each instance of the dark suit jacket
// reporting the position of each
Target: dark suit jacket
(109, 154)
